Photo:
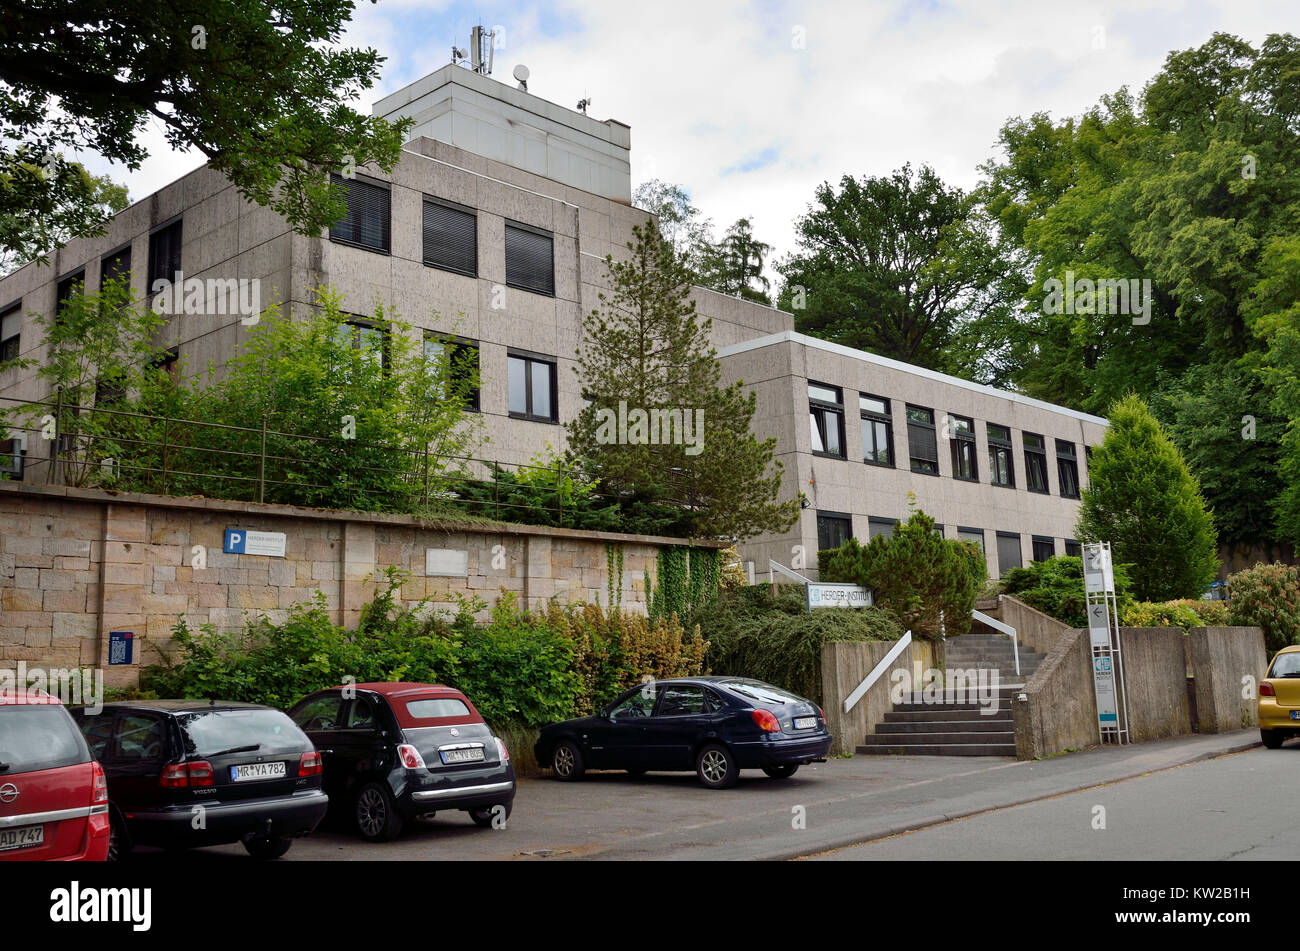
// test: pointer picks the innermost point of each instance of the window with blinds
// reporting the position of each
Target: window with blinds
(922, 443)
(368, 221)
(116, 267)
(530, 259)
(450, 237)
(833, 529)
(1008, 552)
(164, 255)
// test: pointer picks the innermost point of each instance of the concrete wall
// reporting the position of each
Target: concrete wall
(1035, 630)
(1155, 675)
(845, 665)
(1057, 710)
(1221, 658)
(76, 564)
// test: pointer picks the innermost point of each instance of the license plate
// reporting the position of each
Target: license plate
(24, 837)
(805, 723)
(1295, 714)
(251, 771)
(471, 755)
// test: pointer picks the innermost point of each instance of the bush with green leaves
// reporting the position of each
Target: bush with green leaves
(1267, 597)
(766, 632)
(1186, 613)
(1055, 587)
(928, 582)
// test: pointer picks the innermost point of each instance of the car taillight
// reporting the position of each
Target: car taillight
(410, 756)
(821, 713)
(1266, 689)
(185, 775)
(766, 721)
(310, 764)
(100, 785)
(501, 748)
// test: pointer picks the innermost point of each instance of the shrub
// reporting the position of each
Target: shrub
(1055, 587)
(1268, 597)
(1186, 614)
(915, 574)
(767, 633)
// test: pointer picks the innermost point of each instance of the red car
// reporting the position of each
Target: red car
(53, 794)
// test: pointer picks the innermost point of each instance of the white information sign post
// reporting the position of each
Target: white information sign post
(1103, 633)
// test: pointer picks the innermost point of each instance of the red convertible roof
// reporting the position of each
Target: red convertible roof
(399, 695)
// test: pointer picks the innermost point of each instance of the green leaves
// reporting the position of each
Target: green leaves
(1143, 499)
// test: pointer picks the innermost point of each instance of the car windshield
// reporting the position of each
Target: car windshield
(763, 693)
(215, 731)
(1286, 665)
(38, 737)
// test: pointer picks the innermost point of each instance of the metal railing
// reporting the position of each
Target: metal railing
(103, 447)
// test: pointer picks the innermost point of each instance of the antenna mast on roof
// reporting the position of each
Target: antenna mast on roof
(480, 50)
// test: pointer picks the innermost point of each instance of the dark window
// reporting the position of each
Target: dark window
(138, 737)
(975, 535)
(11, 456)
(532, 388)
(1008, 552)
(1002, 470)
(164, 256)
(361, 334)
(530, 259)
(1035, 463)
(450, 237)
(961, 434)
(210, 731)
(361, 715)
(1044, 548)
(833, 529)
(11, 325)
(109, 389)
(368, 221)
(639, 703)
(880, 526)
(1067, 467)
(826, 419)
(116, 267)
(922, 443)
(323, 713)
(68, 288)
(168, 361)
(1073, 548)
(462, 362)
(682, 700)
(877, 430)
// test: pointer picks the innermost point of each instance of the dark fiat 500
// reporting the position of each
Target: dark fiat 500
(716, 726)
(254, 774)
(397, 751)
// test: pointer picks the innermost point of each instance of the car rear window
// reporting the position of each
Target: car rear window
(763, 693)
(214, 731)
(1286, 665)
(38, 737)
(436, 707)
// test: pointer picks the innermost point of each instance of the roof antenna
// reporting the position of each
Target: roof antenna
(481, 50)
(583, 104)
(521, 74)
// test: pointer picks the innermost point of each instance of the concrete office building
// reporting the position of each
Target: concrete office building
(492, 231)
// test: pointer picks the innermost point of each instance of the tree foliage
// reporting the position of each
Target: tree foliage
(1143, 499)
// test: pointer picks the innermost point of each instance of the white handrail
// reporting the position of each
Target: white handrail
(775, 566)
(1002, 629)
(852, 699)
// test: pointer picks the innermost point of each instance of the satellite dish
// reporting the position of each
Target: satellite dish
(521, 73)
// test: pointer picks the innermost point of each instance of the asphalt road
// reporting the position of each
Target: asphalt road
(1238, 807)
(838, 804)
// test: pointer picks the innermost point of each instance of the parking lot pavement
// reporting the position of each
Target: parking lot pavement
(671, 816)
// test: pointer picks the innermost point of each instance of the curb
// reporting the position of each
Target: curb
(842, 842)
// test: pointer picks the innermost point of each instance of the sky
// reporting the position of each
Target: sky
(750, 106)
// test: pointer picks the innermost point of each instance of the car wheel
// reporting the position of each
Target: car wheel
(716, 767)
(376, 813)
(119, 843)
(267, 847)
(484, 817)
(566, 761)
(782, 772)
(1272, 738)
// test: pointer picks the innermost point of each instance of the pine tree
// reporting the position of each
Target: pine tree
(659, 425)
(1144, 500)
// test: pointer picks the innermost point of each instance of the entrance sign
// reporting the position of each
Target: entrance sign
(835, 595)
(1103, 634)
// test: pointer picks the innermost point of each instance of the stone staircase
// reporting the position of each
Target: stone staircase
(949, 728)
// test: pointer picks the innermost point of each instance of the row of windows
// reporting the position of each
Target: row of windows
(835, 528)
(450, 235)
(826, 418)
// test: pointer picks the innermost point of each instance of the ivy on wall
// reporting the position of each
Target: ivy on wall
(687, 579)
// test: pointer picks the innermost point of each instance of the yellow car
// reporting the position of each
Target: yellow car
(1279, 698)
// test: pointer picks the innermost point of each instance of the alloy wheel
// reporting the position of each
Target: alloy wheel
(562, 761)
(714, 766)
(372, 812)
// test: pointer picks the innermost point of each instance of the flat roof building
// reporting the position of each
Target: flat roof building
(493, 229)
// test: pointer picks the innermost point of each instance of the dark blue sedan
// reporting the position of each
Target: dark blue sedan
(716, 726)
